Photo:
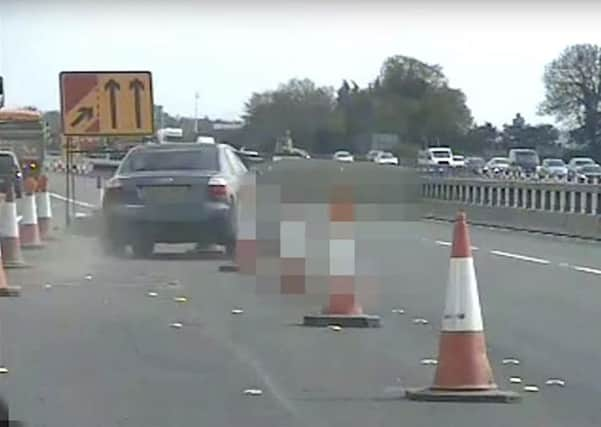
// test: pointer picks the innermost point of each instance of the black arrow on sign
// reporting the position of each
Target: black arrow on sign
(84, 113)
(112, 87)
(137, 86)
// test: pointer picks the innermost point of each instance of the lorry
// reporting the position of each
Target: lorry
(22, 131)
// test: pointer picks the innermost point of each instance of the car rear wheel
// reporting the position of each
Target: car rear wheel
(112, 247)
(142, 248)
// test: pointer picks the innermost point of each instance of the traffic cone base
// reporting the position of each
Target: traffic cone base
(342, 309)
(44, 227)
(486, 396)
(342, 320)
(30, 237)
(5, 290)
(229, 268)
(463, 363)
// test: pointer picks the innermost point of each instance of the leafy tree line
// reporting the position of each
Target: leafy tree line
(408, 98)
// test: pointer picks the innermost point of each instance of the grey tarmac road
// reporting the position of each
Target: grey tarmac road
(100, 352)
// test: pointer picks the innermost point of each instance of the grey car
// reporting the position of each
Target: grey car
(553, 168)
(173, 193)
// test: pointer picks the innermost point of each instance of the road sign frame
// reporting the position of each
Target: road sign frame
(63, 111)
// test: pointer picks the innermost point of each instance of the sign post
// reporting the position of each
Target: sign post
(1, 92)
(103, 103)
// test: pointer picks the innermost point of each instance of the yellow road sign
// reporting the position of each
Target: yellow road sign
(106, 103)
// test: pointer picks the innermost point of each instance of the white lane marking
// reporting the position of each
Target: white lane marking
(76, 202)
(586, 269)
(520, 257)
(443, 243)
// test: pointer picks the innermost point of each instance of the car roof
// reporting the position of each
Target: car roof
(176, 146)
(517, 150)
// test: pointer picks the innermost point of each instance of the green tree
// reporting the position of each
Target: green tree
(573, 90)
(481, 138)
(414, 100)
(299, 106)
(521, 134)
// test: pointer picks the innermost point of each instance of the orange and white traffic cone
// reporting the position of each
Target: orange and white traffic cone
(9, 231)
(343, 308)
(28, 230)
(43, 207)
(5, 290)
(463, 371)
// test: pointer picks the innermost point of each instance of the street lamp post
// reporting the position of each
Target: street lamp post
(196, 97)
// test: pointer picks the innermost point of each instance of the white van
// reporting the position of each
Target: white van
(435, 156)
(205, 139)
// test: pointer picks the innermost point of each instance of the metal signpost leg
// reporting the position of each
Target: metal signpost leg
(73, 198)
(68, 184)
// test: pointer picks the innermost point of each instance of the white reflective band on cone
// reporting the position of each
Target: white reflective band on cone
(29, 210)
(292, 239)
(9, 226)
(342, 257)
(43, 206)
(462, 307)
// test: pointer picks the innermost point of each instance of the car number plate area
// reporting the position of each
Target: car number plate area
(165, 194)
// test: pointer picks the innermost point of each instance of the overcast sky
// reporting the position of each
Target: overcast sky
(495, 53)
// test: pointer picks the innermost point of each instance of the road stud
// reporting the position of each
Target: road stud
(463, 373)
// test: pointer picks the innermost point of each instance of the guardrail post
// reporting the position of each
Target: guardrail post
(491, 196)
(573, 201)
(541, 199)
(583, 201)
(563, 197)
(591, 202)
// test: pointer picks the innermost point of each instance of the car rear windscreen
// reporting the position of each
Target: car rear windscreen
(526, 157)
(157, 160)
(6, 165)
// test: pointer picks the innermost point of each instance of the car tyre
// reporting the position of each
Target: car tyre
(113, 247)
(142, 248)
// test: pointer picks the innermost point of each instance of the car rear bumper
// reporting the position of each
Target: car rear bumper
(128, 223)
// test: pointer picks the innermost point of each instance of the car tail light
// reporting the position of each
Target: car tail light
(218, 189)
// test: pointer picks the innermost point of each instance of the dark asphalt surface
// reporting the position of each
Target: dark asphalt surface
(101, 352)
